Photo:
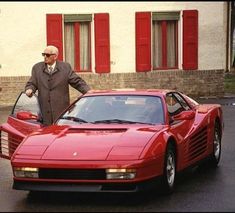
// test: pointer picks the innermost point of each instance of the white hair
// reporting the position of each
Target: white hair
(52, 49)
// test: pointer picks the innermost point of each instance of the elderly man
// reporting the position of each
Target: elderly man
(52, 79)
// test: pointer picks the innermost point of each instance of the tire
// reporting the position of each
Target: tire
(169, 174)
(36, 194)
(215, 158)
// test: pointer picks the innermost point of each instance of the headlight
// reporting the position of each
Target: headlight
(25, 172)
(121, 174)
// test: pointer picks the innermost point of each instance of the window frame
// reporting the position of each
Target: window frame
(77, 62)
(175, 95)
(164, 47)
(164, 39)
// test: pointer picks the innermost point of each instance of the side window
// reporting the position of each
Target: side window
(24, 103)
(182, 101)
(173, 105)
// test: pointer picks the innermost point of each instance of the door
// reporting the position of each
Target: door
(180, 128)
(24, 119)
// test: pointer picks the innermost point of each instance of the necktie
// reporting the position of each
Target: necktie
(50, 69)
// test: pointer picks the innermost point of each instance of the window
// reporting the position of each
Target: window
(176, 104)
(165, 40)
(71, 34)
(173, 105)
(157, 37)
(182, 101)
(26, 104)
(77, 41)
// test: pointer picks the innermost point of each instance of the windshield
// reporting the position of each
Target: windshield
(115, 109)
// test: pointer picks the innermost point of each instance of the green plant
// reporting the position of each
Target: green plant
(229, 83)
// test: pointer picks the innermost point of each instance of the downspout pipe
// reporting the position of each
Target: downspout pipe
(228, 38)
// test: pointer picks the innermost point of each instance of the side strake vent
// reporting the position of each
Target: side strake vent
(8, 144)
(197, 143)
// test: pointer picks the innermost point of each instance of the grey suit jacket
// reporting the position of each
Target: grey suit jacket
(53, 89)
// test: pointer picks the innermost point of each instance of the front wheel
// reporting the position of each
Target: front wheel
(168, 179)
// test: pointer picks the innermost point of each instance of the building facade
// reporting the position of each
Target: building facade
(177, 45)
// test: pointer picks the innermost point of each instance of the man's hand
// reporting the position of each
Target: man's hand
(29, 92)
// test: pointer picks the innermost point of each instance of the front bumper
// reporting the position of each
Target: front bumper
(87, 187)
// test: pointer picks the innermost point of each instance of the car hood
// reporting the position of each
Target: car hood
(88, 142)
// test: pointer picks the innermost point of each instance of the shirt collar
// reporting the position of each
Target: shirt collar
(53, 65)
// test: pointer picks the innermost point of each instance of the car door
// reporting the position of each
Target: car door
(176, 104)
(24, 118)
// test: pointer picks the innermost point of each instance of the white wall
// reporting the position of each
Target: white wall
(23, 31)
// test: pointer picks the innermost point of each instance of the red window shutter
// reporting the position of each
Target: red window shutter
(143, 41)
(54, 32)
(190, 39)
(102, 43)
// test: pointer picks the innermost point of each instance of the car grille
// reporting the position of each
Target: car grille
(72, 174)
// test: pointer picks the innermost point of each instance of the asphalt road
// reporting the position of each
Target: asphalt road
(202, 190)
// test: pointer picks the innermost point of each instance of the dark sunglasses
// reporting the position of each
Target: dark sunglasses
(47, 54)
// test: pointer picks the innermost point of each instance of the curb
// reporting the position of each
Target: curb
(226, 96)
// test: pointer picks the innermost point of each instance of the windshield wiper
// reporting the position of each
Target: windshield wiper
(119, 121)
(74, 119)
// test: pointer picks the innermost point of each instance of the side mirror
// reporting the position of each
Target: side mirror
(185, 115)
(26, 116)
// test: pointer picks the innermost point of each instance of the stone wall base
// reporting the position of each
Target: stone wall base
(197, 83)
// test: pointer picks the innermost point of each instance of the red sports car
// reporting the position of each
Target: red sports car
(111, 141)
